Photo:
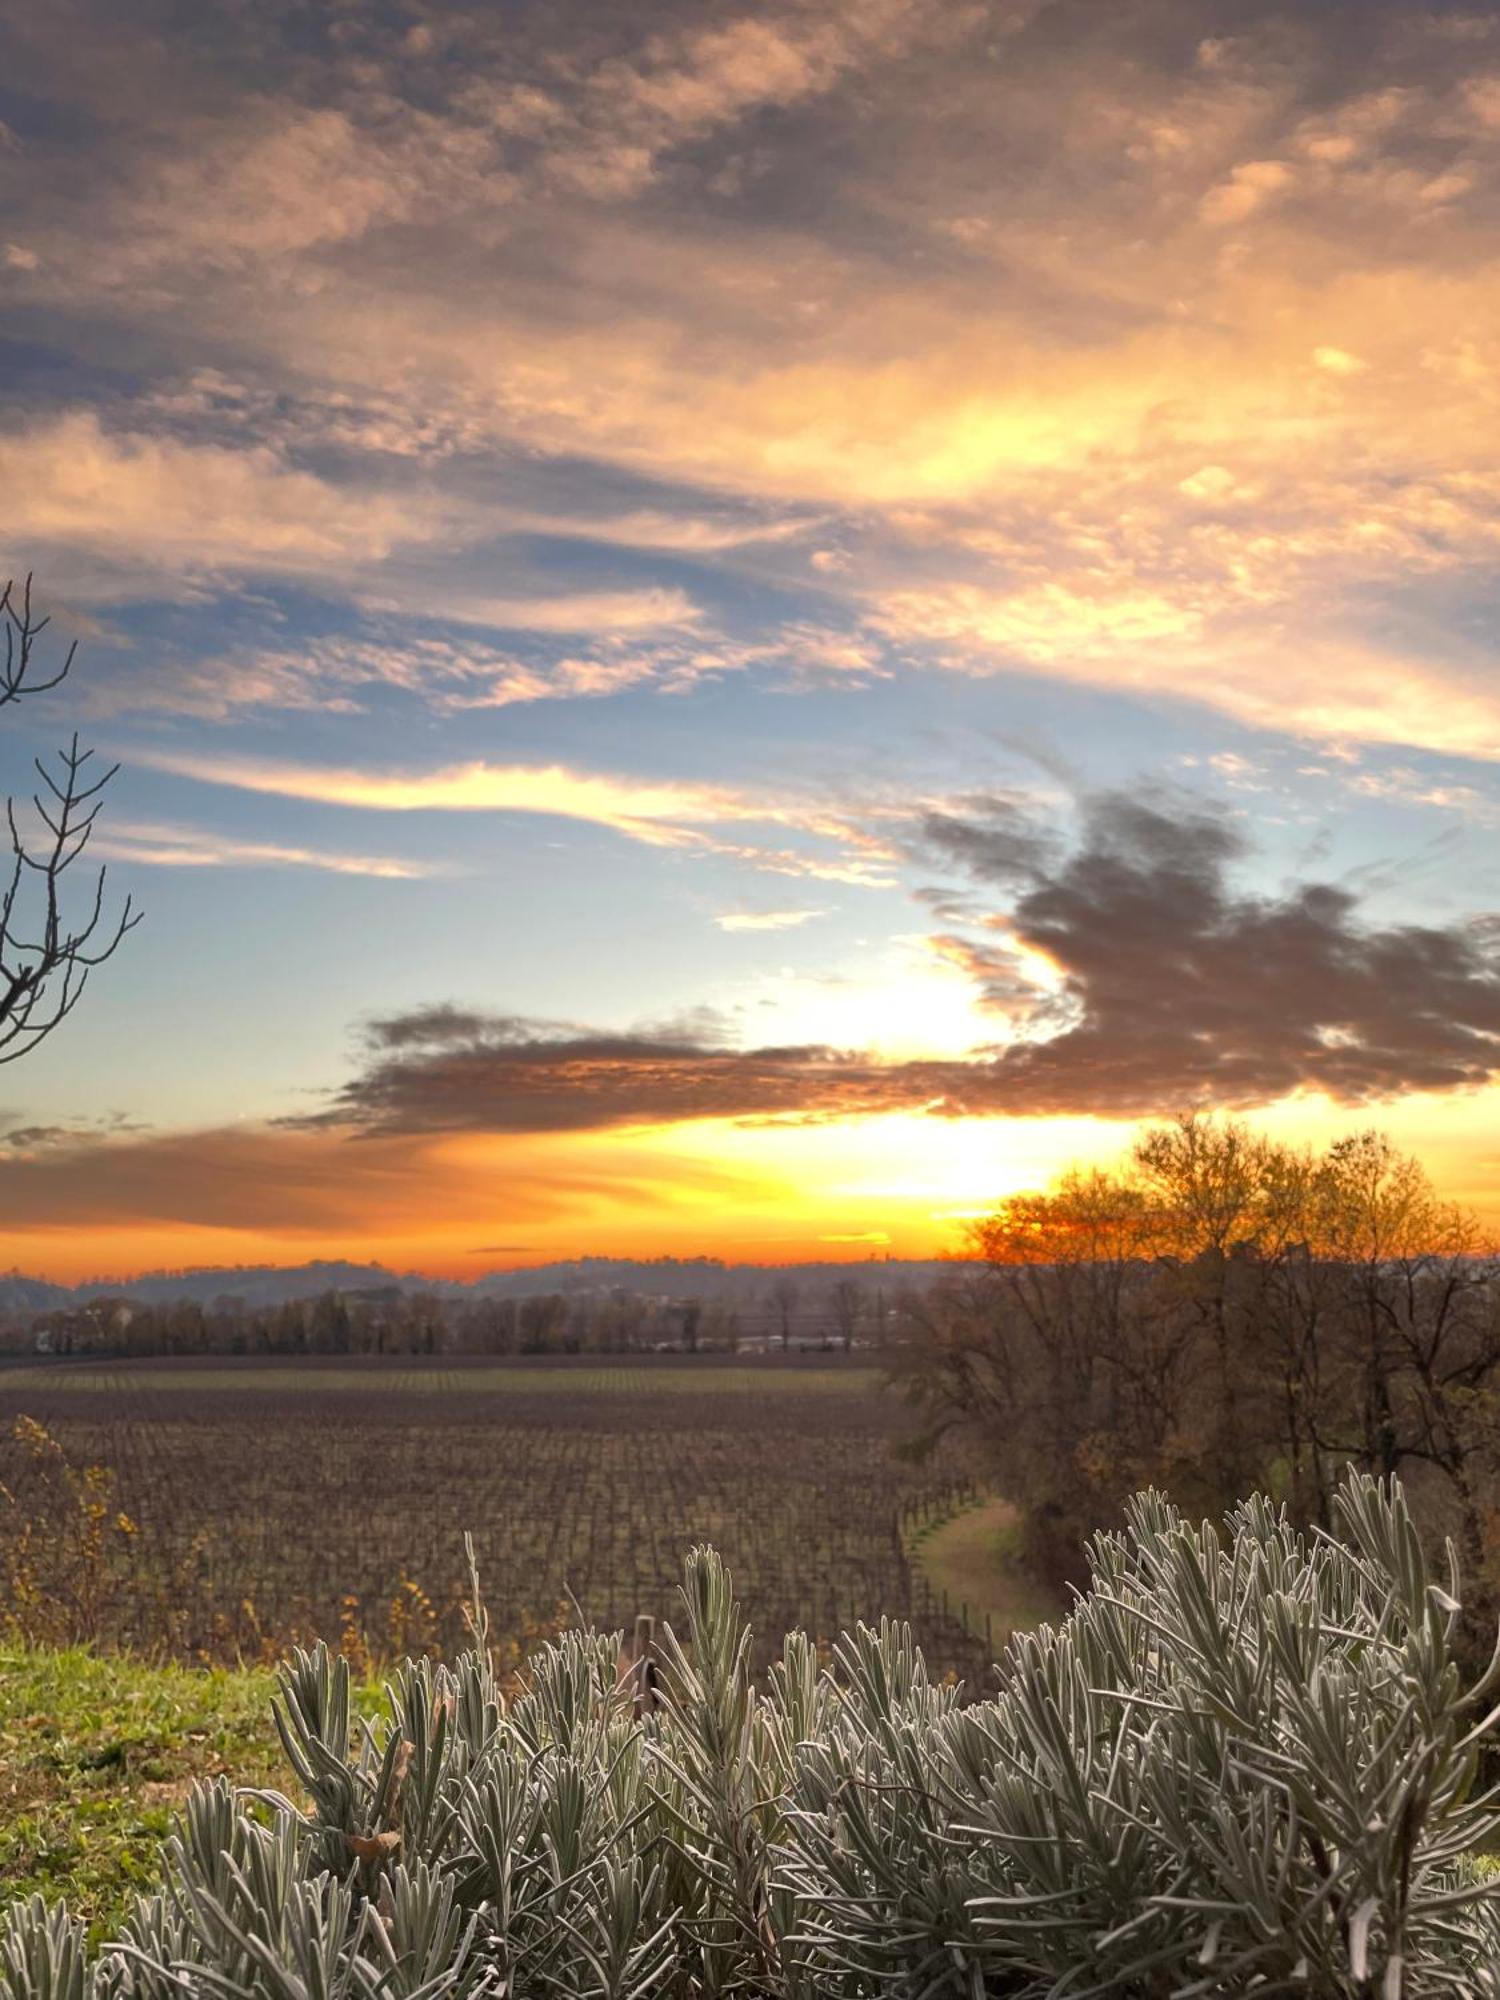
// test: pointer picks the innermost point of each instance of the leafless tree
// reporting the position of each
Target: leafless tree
(47, 954)
(784, 1296)
(846, 1298)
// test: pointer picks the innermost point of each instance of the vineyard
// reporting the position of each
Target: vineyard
(268, 1503)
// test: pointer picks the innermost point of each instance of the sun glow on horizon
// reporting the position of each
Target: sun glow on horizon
(906, 1184)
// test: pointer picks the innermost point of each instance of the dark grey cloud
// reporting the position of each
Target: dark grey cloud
(26, 1137)
(1184, 989)
(1170, 986)
(991, 836)
(77, 1132)
(424, 1027)
(508, 1075)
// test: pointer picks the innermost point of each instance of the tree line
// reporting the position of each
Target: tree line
(1225, 1313)
(390, 1319)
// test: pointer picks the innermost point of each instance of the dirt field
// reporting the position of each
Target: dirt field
(276, 1501)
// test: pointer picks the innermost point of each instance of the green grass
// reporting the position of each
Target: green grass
(973, 1557)
(96, 1752)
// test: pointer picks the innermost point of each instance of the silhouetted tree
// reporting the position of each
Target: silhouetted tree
(47, 954)
(784, 1296)
(846, 1297)
(1224, 1313)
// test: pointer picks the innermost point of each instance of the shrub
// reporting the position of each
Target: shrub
(62, 1538)
(1244, 1764)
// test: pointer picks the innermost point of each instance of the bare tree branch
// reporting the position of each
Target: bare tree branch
(47, 955)
(22, 630)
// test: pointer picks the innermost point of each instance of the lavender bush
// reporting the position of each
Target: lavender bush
(1245, 1764)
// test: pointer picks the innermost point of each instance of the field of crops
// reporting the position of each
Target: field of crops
(272, 1501)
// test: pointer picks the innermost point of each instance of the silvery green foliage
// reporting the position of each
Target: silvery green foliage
(1244, 1765)
(42, 1954)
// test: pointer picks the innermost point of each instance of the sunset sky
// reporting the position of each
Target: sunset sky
(741, 628)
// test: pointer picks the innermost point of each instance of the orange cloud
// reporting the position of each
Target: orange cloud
(1204, 373)
(70, 483)
(74, 1209)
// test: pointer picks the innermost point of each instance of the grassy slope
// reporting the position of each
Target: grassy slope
(972, 1556)
(95, 1754)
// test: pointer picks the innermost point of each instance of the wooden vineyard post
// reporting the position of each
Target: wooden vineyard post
(638, 1669)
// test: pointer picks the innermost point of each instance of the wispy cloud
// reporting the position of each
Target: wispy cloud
(608, 134)
(454, 672)
(699, 532)
(340, 675)
(161, 846)
(766, 920)
(307, 1186)
(660, 813)
(645, 809)
(612, 612)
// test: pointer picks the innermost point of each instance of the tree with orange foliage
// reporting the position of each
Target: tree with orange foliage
(1222, 1312)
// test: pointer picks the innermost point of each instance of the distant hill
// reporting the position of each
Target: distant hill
(256, 1284)
(692, 1277)
(29, 1295)
(276, 1284)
